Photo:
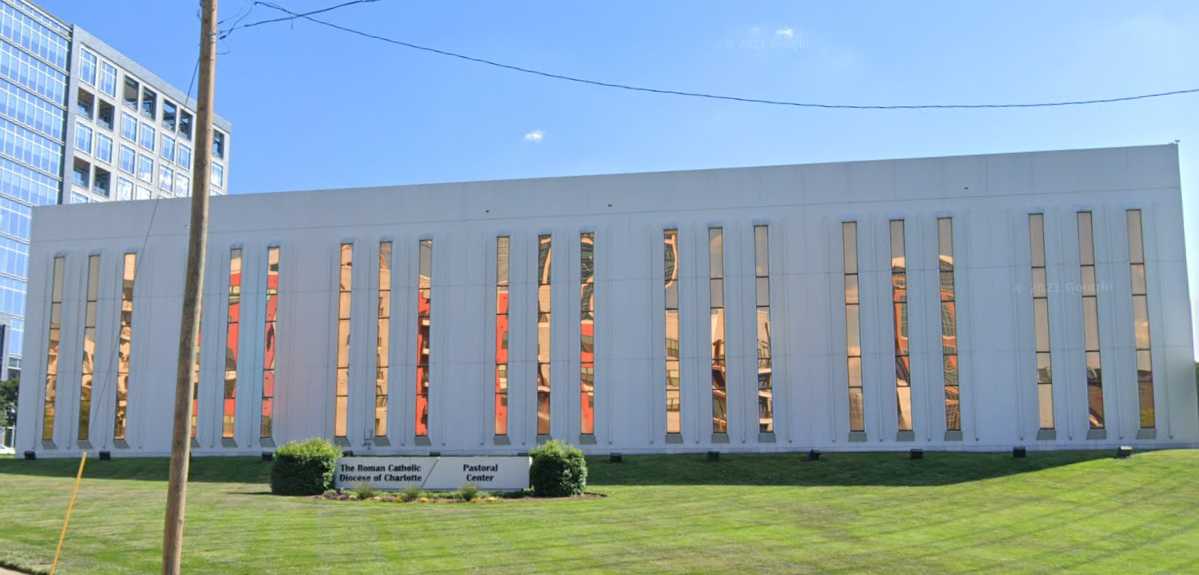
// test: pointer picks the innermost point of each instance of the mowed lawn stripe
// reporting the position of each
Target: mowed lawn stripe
(848, 513)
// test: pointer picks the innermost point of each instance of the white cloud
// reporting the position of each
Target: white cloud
(535, 136)
(786, 32)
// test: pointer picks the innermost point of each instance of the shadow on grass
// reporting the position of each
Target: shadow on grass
(884, 469)
(203, 469)
(832, 469)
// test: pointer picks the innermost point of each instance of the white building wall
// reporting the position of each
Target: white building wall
(988, 197)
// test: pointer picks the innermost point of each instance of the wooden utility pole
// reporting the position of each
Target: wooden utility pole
(189, 324)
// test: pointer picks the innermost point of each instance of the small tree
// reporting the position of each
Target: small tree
(8, 402)
(558, 470)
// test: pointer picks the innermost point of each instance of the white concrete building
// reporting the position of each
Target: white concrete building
(1041, 301)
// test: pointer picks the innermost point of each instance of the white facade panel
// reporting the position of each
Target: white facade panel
(988, 198)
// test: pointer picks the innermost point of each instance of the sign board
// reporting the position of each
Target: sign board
(434, 473)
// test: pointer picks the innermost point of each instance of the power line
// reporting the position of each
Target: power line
(292, 16)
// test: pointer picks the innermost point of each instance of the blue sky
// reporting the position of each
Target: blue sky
(314, 108)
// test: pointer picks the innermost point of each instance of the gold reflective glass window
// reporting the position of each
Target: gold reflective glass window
(1140, 319)
(545, 259)
(899, 297)
(270, 345)
(587, 333)
(716, 324)
(195, 409)
(1043, 374)
(949, 327)
(898, 259)
(670, 245)
(87, 370)
(502, 255)
(1041, 324)
(232, 344)
(851, 289)
(383, 340)
(1090, 317)
(1086, 241)
(1090, 314)
(849, 247)
(762, 317)
(341, 392)
(1036, 239)
(124, 346)
(1045, 405)
(853, 334)
(424, 324)
(53, 349)
(1040, 284)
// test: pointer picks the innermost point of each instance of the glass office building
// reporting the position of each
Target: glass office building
(79, 122)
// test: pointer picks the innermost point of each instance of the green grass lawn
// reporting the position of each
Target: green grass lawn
(848, 513)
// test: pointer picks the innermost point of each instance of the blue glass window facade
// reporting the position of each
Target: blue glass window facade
(108, 79)
(103, 148)
(35, 33)
(166, 177)
(18, 104)
(83, 138)
(87, 68)
(184, 156)
(128, 159)
(37, 76)
(26, 146)
(145, 168)
(147, 137)
(34, 51)
(129, 127)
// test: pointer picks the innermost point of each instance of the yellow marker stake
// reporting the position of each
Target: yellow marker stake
(67, 520)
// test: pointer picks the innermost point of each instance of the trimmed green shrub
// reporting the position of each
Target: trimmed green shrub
(469, 491)
(559, 470)
(304, 467)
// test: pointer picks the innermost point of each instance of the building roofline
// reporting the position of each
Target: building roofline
(41, 11)
(83, 36)
(422, 185)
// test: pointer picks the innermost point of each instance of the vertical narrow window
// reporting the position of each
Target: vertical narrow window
(545, 260)
(670, 241)
(587, 333)
(131, 92)
(53, 341)
(502, 247)
(949, 324)
(853, 333)
(762, 297)
(1040, 307)
(270, 344)
(232, 340)
(720, 420)
(196, 375)
(899, 300)
(424, 303)
(345, 273)
(124, 345)
(1090, 319)
(87, 368)
(87, 67)
(383, 340)
(1140, 318)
